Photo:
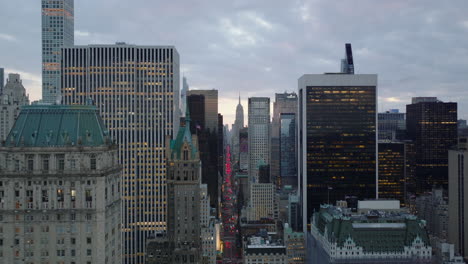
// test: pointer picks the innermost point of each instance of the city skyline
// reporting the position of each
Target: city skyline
(260, 55)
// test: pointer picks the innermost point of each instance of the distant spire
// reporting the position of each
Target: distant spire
(239, 97)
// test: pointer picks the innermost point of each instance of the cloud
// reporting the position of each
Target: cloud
(464, 24)
(82, 34)
(7, 37)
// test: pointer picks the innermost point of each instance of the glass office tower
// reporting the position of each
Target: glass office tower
(288, 153)
(337, 138)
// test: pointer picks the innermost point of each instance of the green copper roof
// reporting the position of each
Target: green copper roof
(389, 233)
(58, 125)
(183, 135)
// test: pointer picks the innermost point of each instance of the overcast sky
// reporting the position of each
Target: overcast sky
(259, 47)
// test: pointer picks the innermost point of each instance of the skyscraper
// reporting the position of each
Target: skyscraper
(259, 134)
(347, 64)
(288, 150)
(203, 107)
(12, 99)
(183, 195)
(57, 31)
(432, 125)
(60, 198)
(236, 128)
(136, 89)
(337, 138)
(183, 95)
(285, 103)
(458, 197)
(392, 171)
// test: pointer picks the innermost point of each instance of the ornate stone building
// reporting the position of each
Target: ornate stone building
(59, 188)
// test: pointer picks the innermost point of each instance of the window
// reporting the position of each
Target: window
(30, 161)
(72, 195)
(60, 162)
(88, 252)
(45, 196)
(93, 162)
(73, 241)
(72, 164)
(89, 198)
(45, 162)
(60, 195)
(88, 240)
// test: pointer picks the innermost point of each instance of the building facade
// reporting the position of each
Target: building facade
(236, 129)
(2, 79)
(60, 188)
(284, 108)
(136, 89)
(458, 198)
(433, 207)
(183, 196)
(432, 125)
(58, 29)
(263, 250)
(392, 171)
(288, 150)
(392, 125)
(337, 151)
(259, 134)
(295, 246)
(12, 98)
(263, 202)
(339, 236)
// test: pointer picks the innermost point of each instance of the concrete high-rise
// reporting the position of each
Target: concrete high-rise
(259, 135)
(60, 188)
(432, 125)
(285, 103)
(136, 89)
(12, 98)
(58, 28)
(458, 197)
(337, 138)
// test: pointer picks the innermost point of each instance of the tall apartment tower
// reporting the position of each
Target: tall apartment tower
(203, 108)
(183, 195)
(12, 98)
(284, 107)
(58, 26)
(183, 95)
(259, 135)
(60, 188)
(337, 138)
(458, 197)
(347, 63)
(432, 125)
(136, 89)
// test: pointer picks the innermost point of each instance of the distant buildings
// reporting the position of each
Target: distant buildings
(183, 196)
(433, 208)
(244, 149)
(236, 130)
(387, 236)
(203, 106)
(458, 197)
(259, 134)
(60, 188)
(295, 246)
(136, 89)
(2, 79)
(283, 140)
(392, 125)
(347, 63)
(183, 95)
(12, 98)
(58, 29)
(337, 138)
(432, 125)
(263, 250)
(263, 202)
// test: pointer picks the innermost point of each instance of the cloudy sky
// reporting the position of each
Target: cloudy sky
(259, 47)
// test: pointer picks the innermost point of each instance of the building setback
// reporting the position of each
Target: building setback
(58, 29)
(60, 188)
(337, 138)
(136, 89)
(12, 98)
(432, 125)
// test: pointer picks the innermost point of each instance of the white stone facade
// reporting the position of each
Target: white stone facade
(263, 202)
(60, 205)
(12, 98)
